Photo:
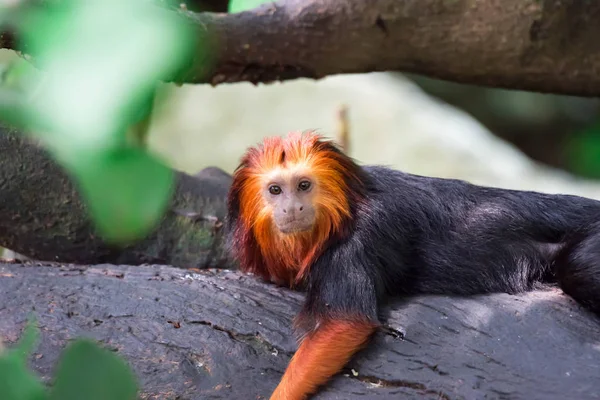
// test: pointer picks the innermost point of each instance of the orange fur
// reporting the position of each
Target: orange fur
(321, 355)
(286, 258)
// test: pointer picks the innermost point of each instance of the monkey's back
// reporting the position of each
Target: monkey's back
(435, 235)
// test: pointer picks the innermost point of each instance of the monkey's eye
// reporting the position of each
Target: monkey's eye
(274, 189)
(304, 185)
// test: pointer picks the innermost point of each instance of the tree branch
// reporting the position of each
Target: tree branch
(537, 45)
(42, 215)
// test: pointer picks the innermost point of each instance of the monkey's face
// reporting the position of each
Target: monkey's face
(290, 195)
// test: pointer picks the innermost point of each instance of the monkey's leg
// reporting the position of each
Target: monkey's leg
(321, 355)
(578, 269)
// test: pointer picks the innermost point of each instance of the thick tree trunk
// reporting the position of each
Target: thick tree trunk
(223, 335)
(538, 45)
(43, 217)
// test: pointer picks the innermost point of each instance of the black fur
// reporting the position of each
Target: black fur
(417, 234)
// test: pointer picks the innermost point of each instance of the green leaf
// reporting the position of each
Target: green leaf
(245, 5)
(17, 382)
(16, 73)
(100, 61)
(126, 189)
(87, 371)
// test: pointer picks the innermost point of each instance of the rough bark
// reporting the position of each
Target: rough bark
(223, 335)
(537, 45)
(42, 215)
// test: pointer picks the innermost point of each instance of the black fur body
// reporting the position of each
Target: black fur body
(424, 235)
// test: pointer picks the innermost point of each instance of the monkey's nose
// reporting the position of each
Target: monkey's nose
(295, 209)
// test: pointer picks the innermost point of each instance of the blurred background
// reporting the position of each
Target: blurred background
(488, 136)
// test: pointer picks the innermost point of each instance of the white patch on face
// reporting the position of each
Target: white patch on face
(292, 209)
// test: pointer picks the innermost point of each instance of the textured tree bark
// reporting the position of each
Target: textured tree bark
(223, 335)
(537, 45)
(43, 217)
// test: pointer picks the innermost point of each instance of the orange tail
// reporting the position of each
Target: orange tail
(320, 356)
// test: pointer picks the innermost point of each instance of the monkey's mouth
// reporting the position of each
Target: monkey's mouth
(295, 226)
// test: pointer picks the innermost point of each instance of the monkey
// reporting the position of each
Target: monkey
(302, 214)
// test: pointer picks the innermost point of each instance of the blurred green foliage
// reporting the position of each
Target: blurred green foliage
(85, 371)
(16, 381)
(99, 62)
(583, 151)
(244, 5)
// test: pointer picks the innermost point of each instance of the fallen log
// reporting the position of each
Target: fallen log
(219, 334)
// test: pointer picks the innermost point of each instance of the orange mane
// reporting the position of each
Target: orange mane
(259, 246)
